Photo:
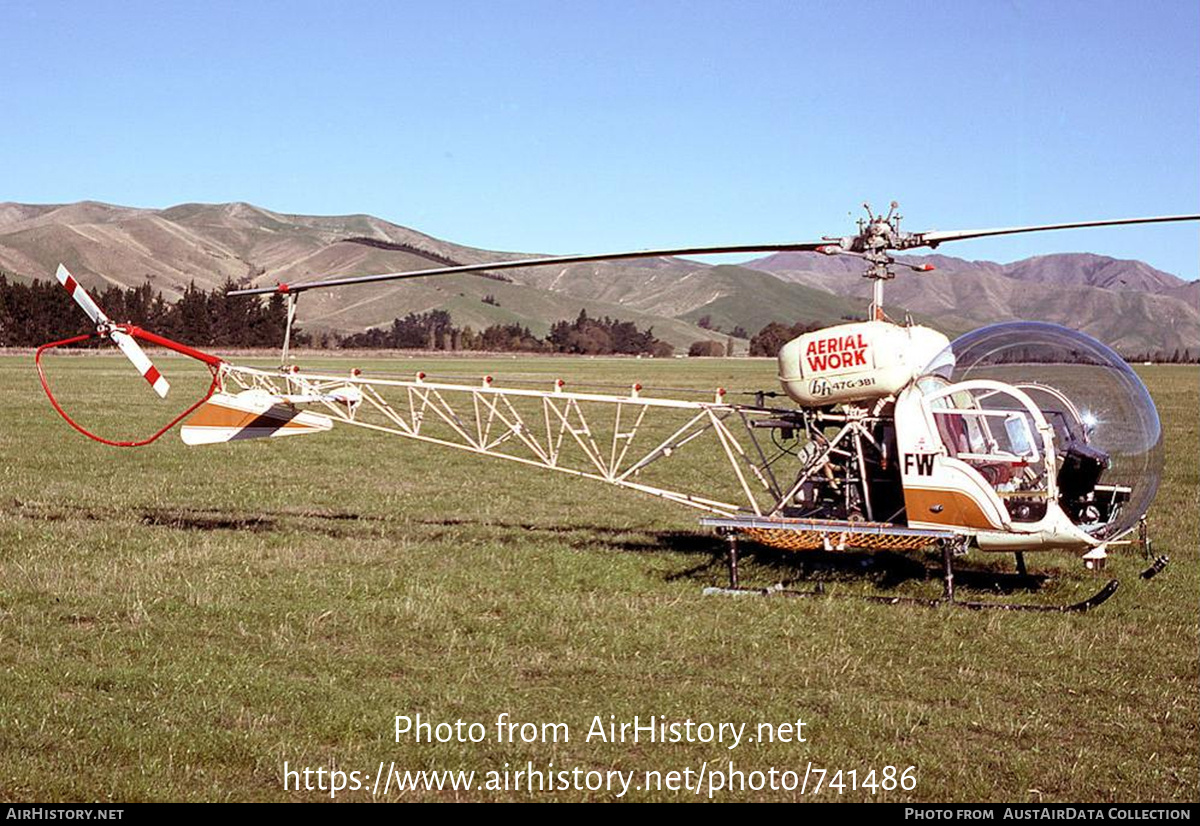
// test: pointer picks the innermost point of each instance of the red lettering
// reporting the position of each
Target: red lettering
(837, 353)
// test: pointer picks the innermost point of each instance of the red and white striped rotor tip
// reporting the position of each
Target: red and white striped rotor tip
(127, 343)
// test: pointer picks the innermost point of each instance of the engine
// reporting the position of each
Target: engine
(856, 362)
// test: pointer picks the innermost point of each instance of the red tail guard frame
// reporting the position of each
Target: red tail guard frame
(213, 362)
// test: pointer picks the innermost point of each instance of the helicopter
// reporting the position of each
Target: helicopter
(883, 434)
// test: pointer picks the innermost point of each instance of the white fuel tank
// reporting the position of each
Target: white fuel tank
(855, 362)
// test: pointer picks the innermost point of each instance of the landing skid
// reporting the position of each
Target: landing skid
(947, 598)
(778, 590)
(1091, 602)
(1156, 567)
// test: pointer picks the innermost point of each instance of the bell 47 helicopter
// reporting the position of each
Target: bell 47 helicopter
(1015, 437)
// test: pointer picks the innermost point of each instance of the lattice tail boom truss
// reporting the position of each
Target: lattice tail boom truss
(624, 440)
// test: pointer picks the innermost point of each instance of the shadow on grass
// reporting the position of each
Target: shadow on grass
(761, 565)
(887, 570)
(326, 522)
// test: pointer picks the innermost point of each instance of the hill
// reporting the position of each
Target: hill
(1127, 304)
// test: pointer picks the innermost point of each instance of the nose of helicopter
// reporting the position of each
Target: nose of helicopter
(1107, 431)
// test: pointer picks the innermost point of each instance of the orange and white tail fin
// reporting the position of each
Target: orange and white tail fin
(251, 414)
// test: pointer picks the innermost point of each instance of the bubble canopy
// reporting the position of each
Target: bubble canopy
(1098, 406)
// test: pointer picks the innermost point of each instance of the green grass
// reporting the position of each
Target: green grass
(175, 623)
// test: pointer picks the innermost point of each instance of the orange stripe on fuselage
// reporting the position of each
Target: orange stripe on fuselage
(955, 508)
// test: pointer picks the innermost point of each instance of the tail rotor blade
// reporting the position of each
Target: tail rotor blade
(141, 361)
(124, 341)
(80, 295)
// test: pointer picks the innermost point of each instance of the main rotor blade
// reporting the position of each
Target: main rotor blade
(801, 246)
(932, 239)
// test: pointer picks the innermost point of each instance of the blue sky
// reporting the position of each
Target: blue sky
(578, 126)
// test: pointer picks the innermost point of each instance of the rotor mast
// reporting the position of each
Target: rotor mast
(878, 234)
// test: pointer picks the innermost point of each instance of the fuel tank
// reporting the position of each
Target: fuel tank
(862, 361)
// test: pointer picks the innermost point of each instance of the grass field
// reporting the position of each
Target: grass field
(176, 623)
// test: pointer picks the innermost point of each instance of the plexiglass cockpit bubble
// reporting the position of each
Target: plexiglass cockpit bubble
(1107, 434)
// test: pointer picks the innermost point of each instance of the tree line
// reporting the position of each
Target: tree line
(1178, 356)
(42, 311)
(433, 330)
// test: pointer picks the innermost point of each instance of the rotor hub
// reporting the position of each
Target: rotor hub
(877, 235)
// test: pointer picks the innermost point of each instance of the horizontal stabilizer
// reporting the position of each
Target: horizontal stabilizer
(252, 414)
